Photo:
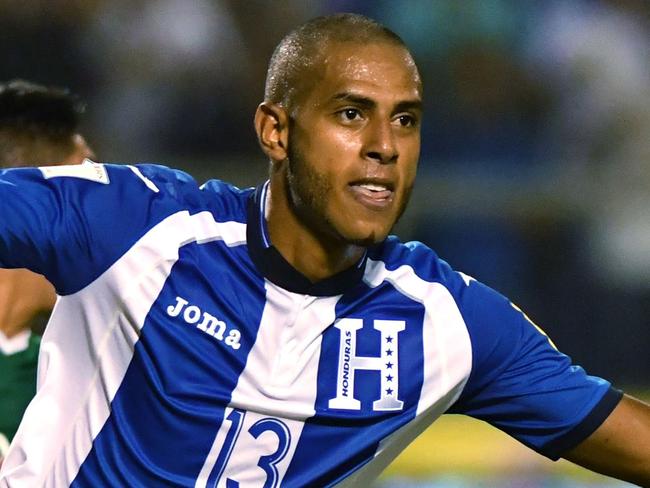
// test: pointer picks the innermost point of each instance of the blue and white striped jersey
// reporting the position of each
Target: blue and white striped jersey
(185, 351)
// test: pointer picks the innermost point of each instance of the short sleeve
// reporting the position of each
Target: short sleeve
(70, 223)
(521, 383)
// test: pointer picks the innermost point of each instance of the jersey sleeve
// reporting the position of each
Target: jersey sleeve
(521, 383)
(70, 223)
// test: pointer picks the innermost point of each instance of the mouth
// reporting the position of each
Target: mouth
(375, 194)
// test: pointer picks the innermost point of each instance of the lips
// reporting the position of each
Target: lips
(373, 193)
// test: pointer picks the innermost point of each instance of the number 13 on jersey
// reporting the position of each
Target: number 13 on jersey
(249, 450)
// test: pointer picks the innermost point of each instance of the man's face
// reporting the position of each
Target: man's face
(354, 142)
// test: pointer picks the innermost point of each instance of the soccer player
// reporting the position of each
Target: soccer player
(38, 125)
(276, 336)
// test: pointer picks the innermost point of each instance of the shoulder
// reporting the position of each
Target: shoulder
(421, 260)
(472, 296)
(102, 181)
(224, 200)
(497, 328)
(158, 173)
(155, 180)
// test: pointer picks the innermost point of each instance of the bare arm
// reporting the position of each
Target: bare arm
(23, 295)
(620, 447)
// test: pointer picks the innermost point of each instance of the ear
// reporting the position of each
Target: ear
(272, 127)
(80, 150)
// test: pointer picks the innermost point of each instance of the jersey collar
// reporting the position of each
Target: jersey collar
(276, 269)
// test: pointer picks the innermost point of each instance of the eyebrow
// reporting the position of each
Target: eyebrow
(369, 103)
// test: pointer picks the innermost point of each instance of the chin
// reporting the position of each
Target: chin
(366, 238)
(370, 241)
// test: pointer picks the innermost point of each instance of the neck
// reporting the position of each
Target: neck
(315, 255)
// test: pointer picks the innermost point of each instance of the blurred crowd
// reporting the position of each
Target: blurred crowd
(535, 165)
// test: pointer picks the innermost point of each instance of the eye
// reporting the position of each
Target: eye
(350, 114)
(406, 120)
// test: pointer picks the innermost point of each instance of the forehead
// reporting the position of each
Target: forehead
(381, 70)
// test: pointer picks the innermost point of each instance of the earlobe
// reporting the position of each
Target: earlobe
(271, 125)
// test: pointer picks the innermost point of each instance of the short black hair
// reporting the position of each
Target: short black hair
(301, 49)
(37, 122)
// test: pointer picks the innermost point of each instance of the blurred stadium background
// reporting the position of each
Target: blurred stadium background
(535, 165)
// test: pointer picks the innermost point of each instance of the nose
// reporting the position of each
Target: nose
(380, 144)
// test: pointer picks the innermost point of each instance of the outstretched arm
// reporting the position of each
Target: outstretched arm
(620, 447)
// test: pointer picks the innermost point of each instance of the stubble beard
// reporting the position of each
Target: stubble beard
(309, 193)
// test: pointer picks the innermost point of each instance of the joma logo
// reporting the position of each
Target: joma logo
(209, 324)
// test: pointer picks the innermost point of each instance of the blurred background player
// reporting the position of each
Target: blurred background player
(38, 127)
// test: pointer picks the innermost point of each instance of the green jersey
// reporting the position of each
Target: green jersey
(17, 383)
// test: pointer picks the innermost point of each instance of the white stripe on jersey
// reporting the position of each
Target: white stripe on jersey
(447, 361)
(85, 367)
(279, 381)
(446, 342)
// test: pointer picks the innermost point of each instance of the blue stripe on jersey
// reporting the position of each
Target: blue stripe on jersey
(515, 371)
(423, 260)
(225, 201)
(172, 399)
(514, 367)
(344, 440)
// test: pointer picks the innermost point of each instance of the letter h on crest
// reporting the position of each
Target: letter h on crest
(387, 363)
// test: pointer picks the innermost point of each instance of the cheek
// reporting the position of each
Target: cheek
(329, 158)
(333, 141)
(410, 155)
(347, 141)
(410, 173)
(309, 180)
